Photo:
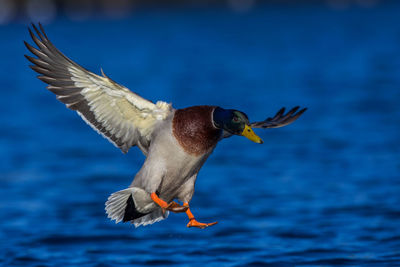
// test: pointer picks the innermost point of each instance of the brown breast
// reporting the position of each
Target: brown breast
(194, 130)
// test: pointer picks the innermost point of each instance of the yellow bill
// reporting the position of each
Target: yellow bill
(249, 133)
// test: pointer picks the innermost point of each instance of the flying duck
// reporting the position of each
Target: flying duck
(176, 142)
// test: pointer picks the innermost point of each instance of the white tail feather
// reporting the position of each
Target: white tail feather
(116, 204)
(151, 218)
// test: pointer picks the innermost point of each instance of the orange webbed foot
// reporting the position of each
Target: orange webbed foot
(192, 220)
(194, 223)
(172, 206)
(175, 207)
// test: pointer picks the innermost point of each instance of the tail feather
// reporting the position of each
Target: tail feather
(131, 213)
(150, 218)
(133, 205)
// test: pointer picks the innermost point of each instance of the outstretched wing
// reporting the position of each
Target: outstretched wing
(121, 116)
(280, 119)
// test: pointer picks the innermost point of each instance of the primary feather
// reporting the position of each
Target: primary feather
(280, 119)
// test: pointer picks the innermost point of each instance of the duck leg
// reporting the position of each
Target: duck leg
(172, 206)
(193, 222)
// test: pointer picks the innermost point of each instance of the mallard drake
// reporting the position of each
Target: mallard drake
(176, 142)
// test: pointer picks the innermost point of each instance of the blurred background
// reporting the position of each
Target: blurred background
(323, 191)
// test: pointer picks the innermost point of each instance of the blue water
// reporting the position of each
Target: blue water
(323, 191)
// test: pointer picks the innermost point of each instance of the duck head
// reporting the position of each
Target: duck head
(234, 122)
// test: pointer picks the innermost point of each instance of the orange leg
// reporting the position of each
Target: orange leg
(192, 220)
(172, 206)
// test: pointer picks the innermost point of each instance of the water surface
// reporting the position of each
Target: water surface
(324, 191)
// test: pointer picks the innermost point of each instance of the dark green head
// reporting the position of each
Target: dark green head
(234, 122)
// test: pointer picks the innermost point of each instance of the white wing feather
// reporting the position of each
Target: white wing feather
(121, 116)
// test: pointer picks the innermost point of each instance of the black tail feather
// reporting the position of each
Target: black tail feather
(131, 212)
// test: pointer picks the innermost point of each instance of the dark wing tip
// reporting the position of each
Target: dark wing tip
(279, 113)
(280, 119)
(302, 111)
(37, 31)
(27, 45)
(293, 110)
(42, 29)
(295, 116)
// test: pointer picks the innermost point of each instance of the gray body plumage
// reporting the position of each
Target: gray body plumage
(168, 169)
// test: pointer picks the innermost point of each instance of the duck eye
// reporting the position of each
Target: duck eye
(235, 119)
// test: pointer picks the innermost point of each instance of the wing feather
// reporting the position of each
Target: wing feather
(115, 112)
(280, 119)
